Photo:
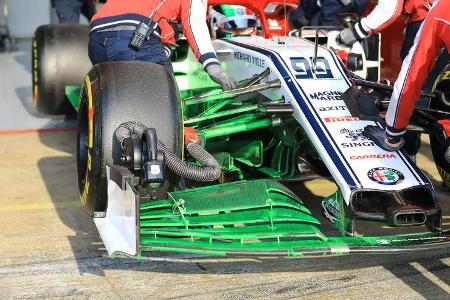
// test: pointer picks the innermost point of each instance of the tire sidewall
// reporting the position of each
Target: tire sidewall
(115, 93)
(92, 184)
(59, 58)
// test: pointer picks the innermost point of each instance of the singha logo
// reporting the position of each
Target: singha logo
(354, 135)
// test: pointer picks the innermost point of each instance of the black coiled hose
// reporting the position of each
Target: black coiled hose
(210, 171)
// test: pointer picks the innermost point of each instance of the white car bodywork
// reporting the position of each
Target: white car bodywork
(319, 108)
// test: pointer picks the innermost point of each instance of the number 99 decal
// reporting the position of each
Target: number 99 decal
(303, 70)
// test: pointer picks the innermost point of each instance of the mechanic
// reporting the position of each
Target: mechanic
(113, 27)
(324, 12)
(384, 14)
(433, 34)
(68, 11)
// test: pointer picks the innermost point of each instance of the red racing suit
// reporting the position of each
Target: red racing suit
(191, 13)
(387, 12)
(432, 36)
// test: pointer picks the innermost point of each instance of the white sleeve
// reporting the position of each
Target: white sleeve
(193, 18)
(384, 14)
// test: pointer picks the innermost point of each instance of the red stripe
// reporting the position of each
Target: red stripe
(41, 130)
(91, 114)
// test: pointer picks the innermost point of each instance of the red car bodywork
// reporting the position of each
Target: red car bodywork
(258, 7)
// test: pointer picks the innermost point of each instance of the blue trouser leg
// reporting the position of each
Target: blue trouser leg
(68, 11)
(87, 9)
(113, 46)
(412, 139)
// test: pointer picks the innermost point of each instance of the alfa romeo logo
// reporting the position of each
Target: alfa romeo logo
(386, 176)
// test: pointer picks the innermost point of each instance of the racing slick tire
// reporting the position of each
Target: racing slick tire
(59, 58)
(439, 142)
(115, 93)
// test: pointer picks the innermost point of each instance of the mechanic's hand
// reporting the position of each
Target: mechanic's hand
(347, 37)
(218, 76)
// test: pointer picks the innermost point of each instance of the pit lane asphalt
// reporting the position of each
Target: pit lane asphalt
(49, 247)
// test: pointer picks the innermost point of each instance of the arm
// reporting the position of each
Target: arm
(433, 34)
(413, 74)
(193, 19)
(384, 14)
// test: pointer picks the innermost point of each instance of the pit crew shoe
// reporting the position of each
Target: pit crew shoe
(379, 137)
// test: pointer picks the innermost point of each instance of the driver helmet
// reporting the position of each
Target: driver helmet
(233, 16)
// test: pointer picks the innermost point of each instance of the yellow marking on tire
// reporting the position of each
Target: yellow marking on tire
(446, 76)
(83, 197)
(90, 111)
(35, 74)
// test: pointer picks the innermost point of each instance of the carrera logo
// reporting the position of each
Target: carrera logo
(333, 108)
(340, 119)
(303, 70)
(357, 138)
(385, 176)
(373, 156)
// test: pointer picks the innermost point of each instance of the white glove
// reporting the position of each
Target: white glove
(347, 37)
(220, 77)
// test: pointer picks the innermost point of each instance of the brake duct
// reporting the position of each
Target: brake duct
(133, 133)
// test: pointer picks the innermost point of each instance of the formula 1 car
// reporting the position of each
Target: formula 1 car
(205, 171)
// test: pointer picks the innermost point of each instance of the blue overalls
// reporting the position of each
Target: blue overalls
(309, 13)
(113, 45)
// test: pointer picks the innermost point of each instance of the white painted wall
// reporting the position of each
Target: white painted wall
(25, 15)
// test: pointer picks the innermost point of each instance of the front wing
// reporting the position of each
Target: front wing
(260, 217)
